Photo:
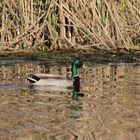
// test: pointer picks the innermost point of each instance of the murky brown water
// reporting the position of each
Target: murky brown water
(110, 109)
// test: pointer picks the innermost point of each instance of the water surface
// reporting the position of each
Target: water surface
(110, 109)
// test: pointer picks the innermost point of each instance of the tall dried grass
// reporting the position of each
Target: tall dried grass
(61, 24)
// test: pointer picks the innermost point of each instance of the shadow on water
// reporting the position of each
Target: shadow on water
(103, 104)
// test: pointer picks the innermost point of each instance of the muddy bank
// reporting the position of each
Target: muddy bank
(67, 56)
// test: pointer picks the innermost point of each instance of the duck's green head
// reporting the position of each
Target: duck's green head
(75, 65)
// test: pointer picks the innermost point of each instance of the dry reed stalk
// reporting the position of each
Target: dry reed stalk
(101, 24)
(61, 20)
(86, 27)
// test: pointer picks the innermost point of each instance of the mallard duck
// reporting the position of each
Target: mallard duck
(55, 81)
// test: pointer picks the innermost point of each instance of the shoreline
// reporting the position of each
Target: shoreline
(90, 55)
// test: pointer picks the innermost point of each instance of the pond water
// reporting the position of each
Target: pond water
(109, 110)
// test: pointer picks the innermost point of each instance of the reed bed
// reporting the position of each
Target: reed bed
(65, 24)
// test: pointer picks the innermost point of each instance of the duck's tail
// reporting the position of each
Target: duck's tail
(32, 78)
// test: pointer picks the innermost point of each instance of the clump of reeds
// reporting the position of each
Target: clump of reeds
(61, 24)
